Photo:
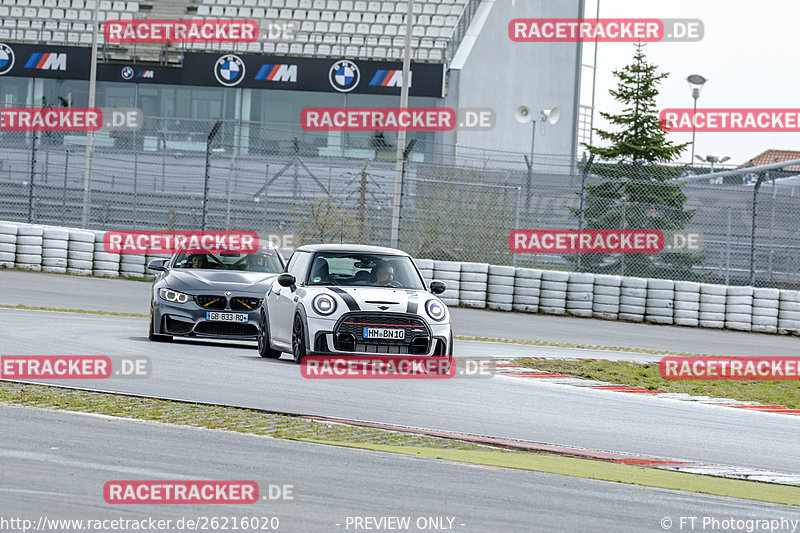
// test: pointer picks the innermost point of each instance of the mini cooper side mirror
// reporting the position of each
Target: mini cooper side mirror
(438, 287)
(157, 264)
(286, 280)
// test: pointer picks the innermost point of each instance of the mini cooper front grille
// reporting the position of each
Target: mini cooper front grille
(351, 326)
(211, 301)
(244, 303)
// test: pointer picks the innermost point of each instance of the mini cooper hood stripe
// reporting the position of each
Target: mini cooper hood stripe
(377, 298)
(348, 300)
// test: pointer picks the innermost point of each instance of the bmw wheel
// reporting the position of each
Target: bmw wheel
(264, 348)
(298, 340)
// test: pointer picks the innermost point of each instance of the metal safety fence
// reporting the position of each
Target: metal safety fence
(457, 203)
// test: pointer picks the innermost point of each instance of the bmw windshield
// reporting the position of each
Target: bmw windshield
(364, 270)
(267, 262)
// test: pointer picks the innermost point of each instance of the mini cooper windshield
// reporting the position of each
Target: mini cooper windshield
(370, 270)
(256, 262)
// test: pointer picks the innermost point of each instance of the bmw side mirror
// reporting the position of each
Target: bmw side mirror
(438, 287)
(157, 264)
(286, 280)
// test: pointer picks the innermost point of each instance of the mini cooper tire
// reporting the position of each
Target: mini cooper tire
(264, 348)
(298, 340)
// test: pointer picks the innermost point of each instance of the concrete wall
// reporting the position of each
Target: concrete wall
(503, 74)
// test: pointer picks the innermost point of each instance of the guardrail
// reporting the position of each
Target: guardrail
(478, 285)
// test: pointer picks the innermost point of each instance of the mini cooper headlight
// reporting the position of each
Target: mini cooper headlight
(435, 310)
(174, 296)
(324, 304)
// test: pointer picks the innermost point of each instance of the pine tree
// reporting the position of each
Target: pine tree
(637, 190)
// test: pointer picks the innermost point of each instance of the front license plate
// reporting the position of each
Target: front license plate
(226, 317)
(384, 333)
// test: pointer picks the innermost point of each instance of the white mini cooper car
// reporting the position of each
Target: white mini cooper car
(341, 299)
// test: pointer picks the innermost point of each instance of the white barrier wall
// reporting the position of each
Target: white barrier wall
(506, 288)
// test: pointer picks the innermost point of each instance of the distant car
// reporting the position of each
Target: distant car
(211, 295)
(353, 300)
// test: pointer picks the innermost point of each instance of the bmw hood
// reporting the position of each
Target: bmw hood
(255, 283)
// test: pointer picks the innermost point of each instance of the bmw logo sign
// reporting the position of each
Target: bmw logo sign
(344, 76)
(229, 70)
(6, 59)
(127, 73)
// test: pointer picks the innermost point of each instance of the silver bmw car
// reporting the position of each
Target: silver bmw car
(211, 295)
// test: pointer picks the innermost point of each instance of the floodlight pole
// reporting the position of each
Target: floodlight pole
(401, 135)
(89, 136)
(211, 136)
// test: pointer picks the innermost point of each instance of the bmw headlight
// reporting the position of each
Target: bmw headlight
(435, 310)
(324, 304)
(174, 296)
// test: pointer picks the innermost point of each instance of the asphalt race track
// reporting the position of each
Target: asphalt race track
(56, 477)
(335, 483)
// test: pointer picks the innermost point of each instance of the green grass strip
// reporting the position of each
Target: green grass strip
(248, 421)
(60, 310)
(600, 470)
(646, 375)
(556, 344)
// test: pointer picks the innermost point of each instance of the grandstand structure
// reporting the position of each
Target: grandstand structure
(328, 28)
(462, 57)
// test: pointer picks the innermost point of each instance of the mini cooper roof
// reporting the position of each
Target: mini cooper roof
(344, 248)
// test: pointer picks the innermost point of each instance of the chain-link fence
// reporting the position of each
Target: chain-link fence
(458, 203)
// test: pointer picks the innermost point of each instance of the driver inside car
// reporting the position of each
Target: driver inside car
(383, 272)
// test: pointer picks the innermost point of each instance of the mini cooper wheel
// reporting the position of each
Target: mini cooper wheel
(264, 348)
(298, 340)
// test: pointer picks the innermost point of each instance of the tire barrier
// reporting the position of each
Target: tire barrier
(57, 249)
(580, 294)
(8, 244)
(473, 284)
(606, 296)
(450, 273)
(632, 299)
(686, 307)
(789, 312)
(500, 288)
(28, 254)
(659, 301)
(55, 244)
(80, 252)
(105, 264)
(527, 287)
(553, 292)
(712, 305)
(426, 269)
(739, 308)
(765, 310)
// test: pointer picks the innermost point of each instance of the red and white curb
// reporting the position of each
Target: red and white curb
(505, 366)
(675, 465)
